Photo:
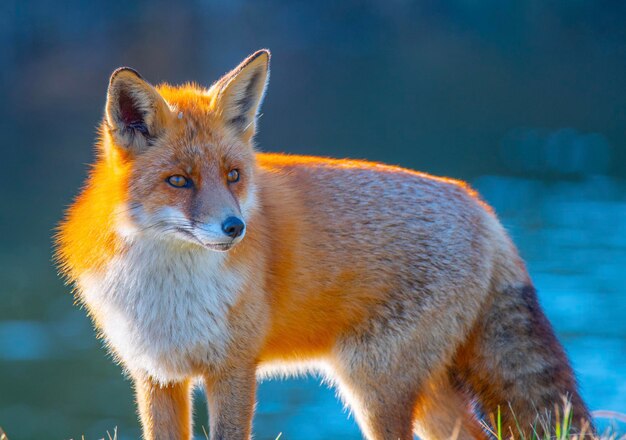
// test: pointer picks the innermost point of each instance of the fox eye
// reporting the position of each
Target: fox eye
(233, 176)
(178, 181)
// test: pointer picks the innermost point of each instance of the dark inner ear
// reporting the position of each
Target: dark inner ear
(247, 101)
(131, 115)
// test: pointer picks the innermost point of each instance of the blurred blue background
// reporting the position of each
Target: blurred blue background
(525, 100)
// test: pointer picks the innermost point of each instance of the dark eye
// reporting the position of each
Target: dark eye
(178, 181)
(233, 176)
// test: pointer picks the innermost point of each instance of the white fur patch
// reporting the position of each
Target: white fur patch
(249, 204)
(163, 306)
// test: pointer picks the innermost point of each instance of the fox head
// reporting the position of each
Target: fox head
(188, 154)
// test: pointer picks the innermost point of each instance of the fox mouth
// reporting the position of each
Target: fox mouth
(218, 246)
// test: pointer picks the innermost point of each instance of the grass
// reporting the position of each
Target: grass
(561, 429)
(548, 428)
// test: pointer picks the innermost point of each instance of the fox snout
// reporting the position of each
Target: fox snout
(219, 235)
(233, 227)
(216, 232)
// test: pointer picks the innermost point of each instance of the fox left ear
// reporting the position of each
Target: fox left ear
(240, 93)
(135, 112)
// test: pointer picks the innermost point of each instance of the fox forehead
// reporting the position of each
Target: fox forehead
(197, 133)
(195, 106)
(197, 121)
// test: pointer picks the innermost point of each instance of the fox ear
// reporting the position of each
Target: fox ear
(135, 112)
(240, 93)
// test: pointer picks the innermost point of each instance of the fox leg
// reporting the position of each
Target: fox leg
(379, 378)
(165, 410)
(513, 361)
(384, 365)
(231, 400)
(383, 413)
(443, 412)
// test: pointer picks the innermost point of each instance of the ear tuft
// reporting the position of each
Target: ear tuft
(241, 92)
(130, 113)
(124, 70)
(135, 112)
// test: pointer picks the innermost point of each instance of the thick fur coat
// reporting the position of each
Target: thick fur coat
(402, 287)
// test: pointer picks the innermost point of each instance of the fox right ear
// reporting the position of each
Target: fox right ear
(135, 112)
(240, 93)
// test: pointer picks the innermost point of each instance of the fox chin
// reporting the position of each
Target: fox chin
(201, 259)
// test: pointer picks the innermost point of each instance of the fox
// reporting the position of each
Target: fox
(202, 261)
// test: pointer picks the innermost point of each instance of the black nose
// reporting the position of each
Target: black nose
(233, 227)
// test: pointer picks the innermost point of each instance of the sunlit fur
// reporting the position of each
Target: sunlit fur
(402, 287)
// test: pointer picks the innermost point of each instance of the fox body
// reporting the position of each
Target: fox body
(198, 258)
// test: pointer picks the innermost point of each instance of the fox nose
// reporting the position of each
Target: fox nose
(233, 227)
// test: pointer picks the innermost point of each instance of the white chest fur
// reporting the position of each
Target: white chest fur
(163, 310)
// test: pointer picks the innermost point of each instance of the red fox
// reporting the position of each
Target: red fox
(200, 259)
